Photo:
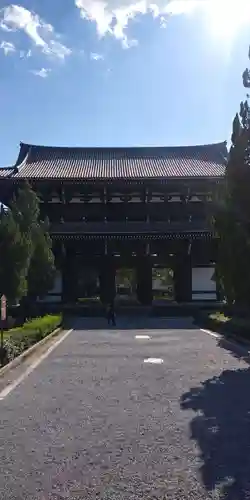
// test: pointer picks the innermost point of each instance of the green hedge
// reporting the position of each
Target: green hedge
(227, 325)
(18, 340)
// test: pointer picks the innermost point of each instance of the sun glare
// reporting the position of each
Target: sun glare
(226, 17)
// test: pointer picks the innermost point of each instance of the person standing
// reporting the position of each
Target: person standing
(111, 314)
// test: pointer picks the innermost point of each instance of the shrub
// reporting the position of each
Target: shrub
(18, 340)
(226, 324)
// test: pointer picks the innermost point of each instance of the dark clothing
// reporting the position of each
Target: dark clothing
(111, 315)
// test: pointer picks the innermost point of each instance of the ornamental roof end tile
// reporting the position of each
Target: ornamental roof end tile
(44, 162)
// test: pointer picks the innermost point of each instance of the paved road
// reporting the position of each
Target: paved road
(95, 421)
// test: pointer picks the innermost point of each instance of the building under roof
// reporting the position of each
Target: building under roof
(143, 208)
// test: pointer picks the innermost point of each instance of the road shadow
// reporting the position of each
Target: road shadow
(236, 348)
(231, 337)
(128, 323)
(221, 429)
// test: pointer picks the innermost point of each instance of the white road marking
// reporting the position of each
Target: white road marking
(216, 335)
(156, 361)
(5, 392)
(142, 337)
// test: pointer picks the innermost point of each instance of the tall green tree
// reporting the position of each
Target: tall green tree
(14, 251)
(25, 249)
(25, 210)
(42, 271)
(232, 218)
(41, 266)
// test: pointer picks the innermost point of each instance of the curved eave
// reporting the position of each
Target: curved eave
(219, 145)
(121, 180)
(5, 172)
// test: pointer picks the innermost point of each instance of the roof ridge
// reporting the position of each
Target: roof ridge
(117, 148)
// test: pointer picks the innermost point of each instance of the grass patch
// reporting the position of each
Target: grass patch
(17, 340)
(219, 317)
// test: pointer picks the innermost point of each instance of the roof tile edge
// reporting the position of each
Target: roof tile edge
(28, 146)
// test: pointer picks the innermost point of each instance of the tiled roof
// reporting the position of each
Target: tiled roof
(41, 162)
(5, 172)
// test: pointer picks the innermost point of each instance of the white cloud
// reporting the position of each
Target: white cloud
(5, 27)
(7, 47)
(96, 57)
(25, 54)
(181, 6)
(43, 72)
(55, 48)
(43, 36)
(112, 16)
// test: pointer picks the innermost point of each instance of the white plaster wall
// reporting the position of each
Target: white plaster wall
(202, 282)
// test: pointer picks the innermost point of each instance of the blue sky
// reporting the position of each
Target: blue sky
(115, 73)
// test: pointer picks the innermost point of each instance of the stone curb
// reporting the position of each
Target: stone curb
(22, 357)
(233, 337)
(237, 338)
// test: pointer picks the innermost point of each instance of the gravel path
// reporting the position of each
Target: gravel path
(94, 421)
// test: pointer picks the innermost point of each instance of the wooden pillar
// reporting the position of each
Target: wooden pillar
(144, 280)
(107, 278)
(183, 273)
(69, 277)
(58, 256)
